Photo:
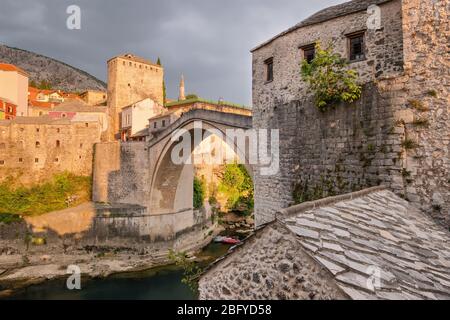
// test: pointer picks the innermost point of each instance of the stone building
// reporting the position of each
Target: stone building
(34, 149)
(131, 79)
(8, 110)
(367, 245)
(14, 87)
(397, 134)
(93, 97)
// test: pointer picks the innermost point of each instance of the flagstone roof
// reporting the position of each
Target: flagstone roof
(378, 235)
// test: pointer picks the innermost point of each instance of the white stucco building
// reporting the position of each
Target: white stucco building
(14, 87)
(134, 118)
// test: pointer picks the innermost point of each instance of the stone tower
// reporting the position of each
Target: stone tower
(131, 79)
(182, 94)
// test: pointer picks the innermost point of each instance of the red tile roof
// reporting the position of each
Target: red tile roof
(11, 67)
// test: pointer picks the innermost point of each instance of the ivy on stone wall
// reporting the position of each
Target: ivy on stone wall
(330, 79)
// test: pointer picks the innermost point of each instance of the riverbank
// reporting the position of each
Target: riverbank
(41, 248)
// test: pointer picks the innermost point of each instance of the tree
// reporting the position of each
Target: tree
(330, 79)
(191, 96)
(237, 186)
(164, 82)
(44, 85)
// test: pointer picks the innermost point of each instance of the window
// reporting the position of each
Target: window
(21, 160)
(154, 124)
(86, 124)
(164, 123)
(81, 145)
(58, 130)
(36, 160)
(309, 52)
(56, 159)
(58, 143)
(2, 162)
(269, 69)
(37, 130)
(38, 144)
(356, 46)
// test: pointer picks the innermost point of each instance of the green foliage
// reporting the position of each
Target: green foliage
(432, 93)
(8, 218)
(191, 270)
(421, 122)
(418, 105)
(44, 85)
(164, 82)
(62, 191)
(191, 96)
(199, 193)
(406, 173)
(409, 144)
(237, 186)
(330, 79)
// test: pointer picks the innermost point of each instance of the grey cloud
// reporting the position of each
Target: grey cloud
(206, 40)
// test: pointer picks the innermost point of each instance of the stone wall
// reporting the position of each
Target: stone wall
(34, 149)
(425, 93)
(363, 144)
(271, 265)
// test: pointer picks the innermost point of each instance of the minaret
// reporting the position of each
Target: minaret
(182, 96)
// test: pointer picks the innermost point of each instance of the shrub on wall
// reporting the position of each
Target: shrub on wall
(330, 79)
(63, 191)
(199, 193)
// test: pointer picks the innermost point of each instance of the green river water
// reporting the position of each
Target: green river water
(155, 284)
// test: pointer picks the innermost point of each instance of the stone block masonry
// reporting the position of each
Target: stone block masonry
(397, 134)
(32, 150)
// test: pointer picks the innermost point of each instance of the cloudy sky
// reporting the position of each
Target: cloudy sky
(207, 40)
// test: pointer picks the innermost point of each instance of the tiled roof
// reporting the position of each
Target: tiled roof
(328, 14)
(78, 106)
(376, 234)
(42, 104)
(11, 67)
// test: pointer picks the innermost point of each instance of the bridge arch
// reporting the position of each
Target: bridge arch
(171, 183)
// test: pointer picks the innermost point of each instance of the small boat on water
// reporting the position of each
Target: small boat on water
(226, 240)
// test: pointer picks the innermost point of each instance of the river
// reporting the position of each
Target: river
(161, 283)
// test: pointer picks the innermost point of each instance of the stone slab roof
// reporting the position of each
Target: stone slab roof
(375, 236)
(328, 14)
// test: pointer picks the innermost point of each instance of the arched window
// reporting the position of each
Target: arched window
(38, 144)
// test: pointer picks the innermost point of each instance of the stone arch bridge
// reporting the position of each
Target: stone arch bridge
(144, 174)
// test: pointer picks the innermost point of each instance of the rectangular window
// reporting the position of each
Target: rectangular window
(356, 46)
(269, 69)
(154, 124)
(164, 123)
(309, 52)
